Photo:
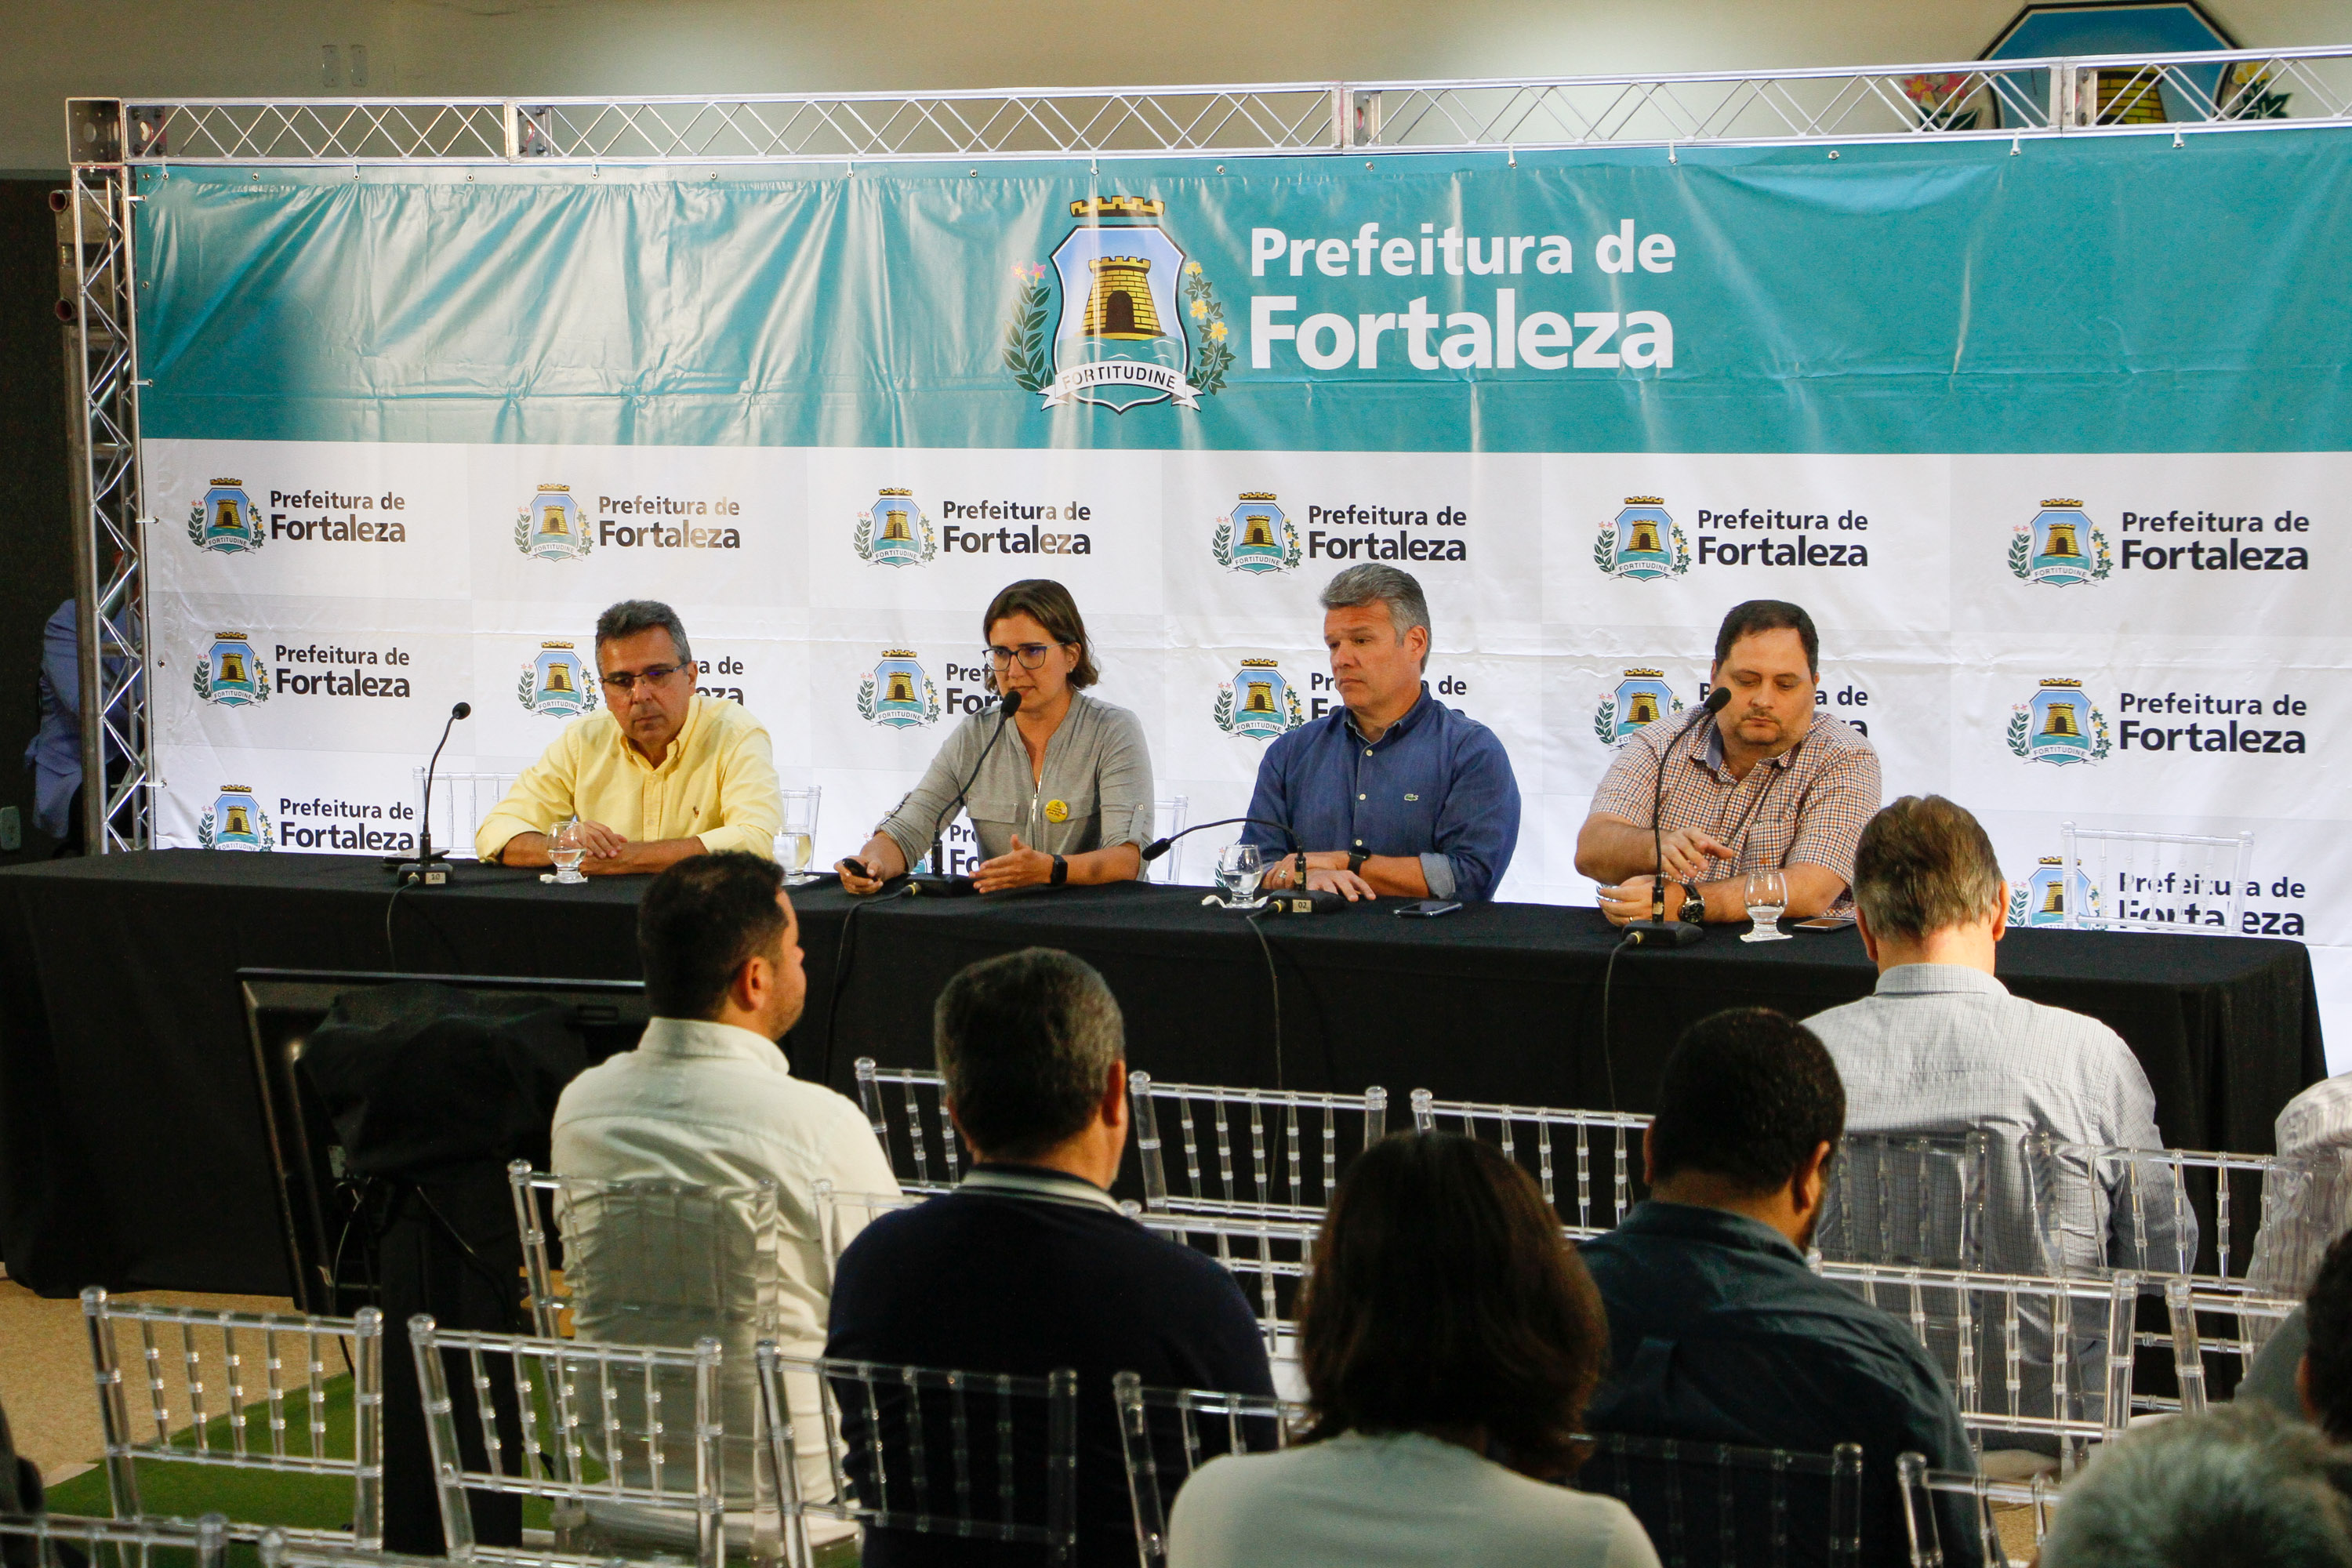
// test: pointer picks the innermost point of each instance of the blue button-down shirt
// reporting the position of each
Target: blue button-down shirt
(1438, 784)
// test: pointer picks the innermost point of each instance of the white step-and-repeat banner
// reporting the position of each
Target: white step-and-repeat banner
(2060, 482)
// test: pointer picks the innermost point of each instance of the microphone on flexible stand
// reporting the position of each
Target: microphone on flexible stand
(1658, 931)
(1296, 902)
(939, 883)
(431, 866)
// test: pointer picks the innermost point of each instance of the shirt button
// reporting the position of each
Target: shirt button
(1359, 844)
(1368, 750)
(1359, 798)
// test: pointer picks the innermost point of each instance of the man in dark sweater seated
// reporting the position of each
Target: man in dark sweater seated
(1718, 1332)
(1029, 1266)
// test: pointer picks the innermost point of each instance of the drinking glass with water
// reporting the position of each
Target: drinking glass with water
(565, 848)
(796, 839)
(1240, 868)
(1767, 895)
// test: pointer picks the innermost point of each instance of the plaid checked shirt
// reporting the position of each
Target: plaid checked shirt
(1816, 796)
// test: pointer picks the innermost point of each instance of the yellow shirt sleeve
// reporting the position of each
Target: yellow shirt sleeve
(544, 794)
(751, 806)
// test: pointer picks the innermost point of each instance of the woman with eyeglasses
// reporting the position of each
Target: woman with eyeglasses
(1063, 796)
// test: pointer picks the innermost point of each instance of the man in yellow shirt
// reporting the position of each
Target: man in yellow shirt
(659, 774)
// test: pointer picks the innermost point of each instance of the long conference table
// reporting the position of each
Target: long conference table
(132, 1145)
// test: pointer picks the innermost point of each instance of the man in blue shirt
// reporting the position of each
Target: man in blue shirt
(1719, 1333)
(1393, 792)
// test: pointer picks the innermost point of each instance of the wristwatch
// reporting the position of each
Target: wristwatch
(1356, 858)
(1694, 904)
(1061, 872)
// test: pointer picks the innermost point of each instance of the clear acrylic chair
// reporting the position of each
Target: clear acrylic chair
(1716, 1505)
(976, 1456)
(1553, 1140)
(922, 1147)
(596, 1429)
(1902, 1198)
(1166, 1434)
(2181, 883)
(460, 801)
(1258, 1153)
(117, 1543)
(1985, 1499)
(278, 1551)
(242, 1391)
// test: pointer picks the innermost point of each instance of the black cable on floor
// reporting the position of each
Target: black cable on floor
(1608, 1056)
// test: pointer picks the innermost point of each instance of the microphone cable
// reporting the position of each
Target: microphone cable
(1274, 983)
(844, 954)
(1608, 1053)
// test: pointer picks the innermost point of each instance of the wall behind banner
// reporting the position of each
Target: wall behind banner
(2052, 445)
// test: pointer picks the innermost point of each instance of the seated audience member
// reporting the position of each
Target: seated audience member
(1029, 1266)
(2323, 1375)
(1449, 1339)
(1718, 1332)
(1391, 793)
(657, 775)
(709, 1097)
(1942, 1048)
(2238, 1486)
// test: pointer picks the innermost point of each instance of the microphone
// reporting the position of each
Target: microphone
(1658, 931)
(940, 884)
(423, 871)
(1296, 901)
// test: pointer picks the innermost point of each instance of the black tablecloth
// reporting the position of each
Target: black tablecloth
(130, 1146)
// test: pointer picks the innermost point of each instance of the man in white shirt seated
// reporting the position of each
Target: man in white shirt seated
(1942, 1049)
(708, 1097)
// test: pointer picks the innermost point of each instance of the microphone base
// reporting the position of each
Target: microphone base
(1312, 902)
(929, 885)
(431, 873)
(1663, 933)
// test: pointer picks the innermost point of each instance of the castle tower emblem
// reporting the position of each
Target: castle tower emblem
(1120, 340)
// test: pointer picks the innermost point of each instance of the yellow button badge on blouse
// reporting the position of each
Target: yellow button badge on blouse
(1058, 811)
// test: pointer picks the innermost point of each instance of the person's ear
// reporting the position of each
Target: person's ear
(1113, 1107)
(1869, 937)
(1649, 1155)
(1811, 1182)
(2000, 913)
(2303, 1388)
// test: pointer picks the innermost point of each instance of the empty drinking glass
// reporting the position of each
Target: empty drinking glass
(565, 850)
(1239, 868)
(1768, 895)
(796, 839)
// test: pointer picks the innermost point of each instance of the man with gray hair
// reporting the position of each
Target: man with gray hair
(2238, 1486)
(1392, 792)
(1941, 1050)
(1030, 1265)
(659, 773)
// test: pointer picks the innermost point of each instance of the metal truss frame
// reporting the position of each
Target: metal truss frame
(109, 140)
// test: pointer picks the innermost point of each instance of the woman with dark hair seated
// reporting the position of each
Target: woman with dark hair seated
(1449, 1337)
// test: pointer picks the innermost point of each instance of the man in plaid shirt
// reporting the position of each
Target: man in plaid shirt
(1771, 781)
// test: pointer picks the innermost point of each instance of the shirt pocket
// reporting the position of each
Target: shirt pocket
(1002, 808)
(1079, 827)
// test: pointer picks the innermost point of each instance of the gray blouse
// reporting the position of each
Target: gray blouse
(1095, 790)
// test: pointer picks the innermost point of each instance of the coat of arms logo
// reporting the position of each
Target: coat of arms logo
(2062, 546)
(894, 532)
(1110, 318)
(552, 526)
(2059, 724)
(225, 520)
(1642, 542)
(230, 674)
(1255, 537)
(1257, 702)
(1640, 699)
(2041, 899)
(234, 820)
(557, 683)
(895, 692)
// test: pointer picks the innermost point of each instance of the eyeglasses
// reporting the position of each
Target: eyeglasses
(1032, 655)
(652, 675)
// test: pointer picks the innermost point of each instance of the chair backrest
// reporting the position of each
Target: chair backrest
(977, 1456)
(590, 1423)
(2303, 1214)
(271, 1373)
(117, 1543)
(1167, 818)
(460, 801)
(1904, 1199)
(1166, 1434)
(1261, 1153)
(2162, 1211)
(1715, 1504)
(1551, 1138)
(922, 1148)
(276, 1550)
(2036, 1498)
(649, 1261)
(2188, 883)
(2039, 1357)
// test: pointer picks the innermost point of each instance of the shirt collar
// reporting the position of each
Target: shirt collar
(699, 1039)
(1411, 716)
(1720, 1227)
(1927, 979)
(1037, 1184)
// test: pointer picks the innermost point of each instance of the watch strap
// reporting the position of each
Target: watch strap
(1061, 872)
(1694, 901)
(1356, 858)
